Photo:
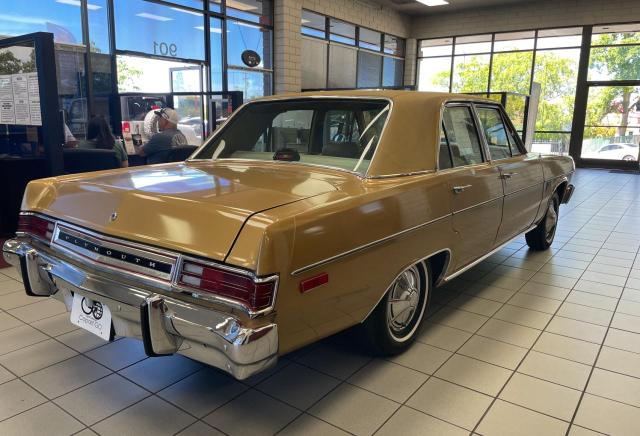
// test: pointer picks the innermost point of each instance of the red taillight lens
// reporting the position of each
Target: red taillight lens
(256, 296)
(35, 226)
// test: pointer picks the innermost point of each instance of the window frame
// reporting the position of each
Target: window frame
(509, 130)
(476, 121)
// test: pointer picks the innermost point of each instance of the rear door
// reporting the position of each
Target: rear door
(475, 186)
(521, 173)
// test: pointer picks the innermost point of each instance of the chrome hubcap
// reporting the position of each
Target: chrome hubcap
(551, 221)
(403, 301)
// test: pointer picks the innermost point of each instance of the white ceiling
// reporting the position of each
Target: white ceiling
(412, 7)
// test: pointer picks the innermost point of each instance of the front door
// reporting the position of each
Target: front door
(474, 185)
(521, 173)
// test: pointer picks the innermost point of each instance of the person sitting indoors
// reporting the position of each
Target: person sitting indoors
(158, 149)
(99, 136)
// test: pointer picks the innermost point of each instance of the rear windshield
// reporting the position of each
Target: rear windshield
(337, 133)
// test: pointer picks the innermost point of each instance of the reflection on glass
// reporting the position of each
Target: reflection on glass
(215, 5)
(189, 109)
(158, 29)
(185, 79)
(612, 127)
(215, 25)
(369, 69)
(616, 34)
(515, 106)
(473, 44)
(551, 143)
(138, 74)
(257, 11)
(71, 72)
(102, 81)
(436, 47)
(342, 32)
(434, 74)
(242, 36)
(511, 72)
(514, 41)
(369, 39)
(313, 24)
(253, 84)
(392, 72)
(393, 45)
(60, 17)
(98, 19)
(558, 38)
(471, 73)
(556, 71)
(20, 135)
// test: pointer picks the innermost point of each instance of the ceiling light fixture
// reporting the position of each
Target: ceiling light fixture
(433, 2)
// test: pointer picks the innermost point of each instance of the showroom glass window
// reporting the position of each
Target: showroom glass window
(157, 29)
(344, 55)
(612, 124)
(313, 24)
(241, 37)
(510, 62)
(60, 17)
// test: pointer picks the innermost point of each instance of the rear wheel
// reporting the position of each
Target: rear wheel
(542, 236)
(628, 158)
(394, 323)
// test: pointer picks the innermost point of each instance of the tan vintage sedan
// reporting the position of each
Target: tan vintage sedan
(302, 216)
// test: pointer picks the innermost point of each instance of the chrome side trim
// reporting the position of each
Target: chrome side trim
(477, 204)
(364, 247)
(480, 259)
(522, 189)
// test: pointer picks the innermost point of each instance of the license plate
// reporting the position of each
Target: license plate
(92, 316)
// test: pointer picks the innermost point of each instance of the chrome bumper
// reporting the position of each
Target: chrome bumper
(166, 325)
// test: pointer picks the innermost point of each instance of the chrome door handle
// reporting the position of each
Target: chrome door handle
(459, 189)
(508, 175)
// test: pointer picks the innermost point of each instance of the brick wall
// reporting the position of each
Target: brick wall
(531, 15)
(287, 39)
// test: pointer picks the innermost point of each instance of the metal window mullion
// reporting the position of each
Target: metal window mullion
(582, 95)
(88, 71)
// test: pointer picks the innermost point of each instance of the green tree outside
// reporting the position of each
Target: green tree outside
(555, 70)
(621, 62)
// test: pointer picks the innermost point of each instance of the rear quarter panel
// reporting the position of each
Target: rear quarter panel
(367, 234)
(556, 170)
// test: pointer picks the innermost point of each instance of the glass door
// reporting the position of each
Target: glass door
(612, 120)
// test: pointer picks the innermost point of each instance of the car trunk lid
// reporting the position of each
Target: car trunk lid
(197, 208)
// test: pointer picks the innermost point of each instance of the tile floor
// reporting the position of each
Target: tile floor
(525, 343)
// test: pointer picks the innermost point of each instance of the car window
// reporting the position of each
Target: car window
(462, 136)
(444, 158)
(495, 132)
(341, 126)
(340, 133)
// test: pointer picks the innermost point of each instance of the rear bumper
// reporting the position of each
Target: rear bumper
(568, 192)
(165, 324)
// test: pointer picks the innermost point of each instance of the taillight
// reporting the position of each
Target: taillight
(35, 226)
(242, 288)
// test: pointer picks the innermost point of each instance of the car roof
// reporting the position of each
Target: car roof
(411, 137)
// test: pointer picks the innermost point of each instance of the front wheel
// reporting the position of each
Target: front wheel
(628, 158)
(541, 238)
(393, 325)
